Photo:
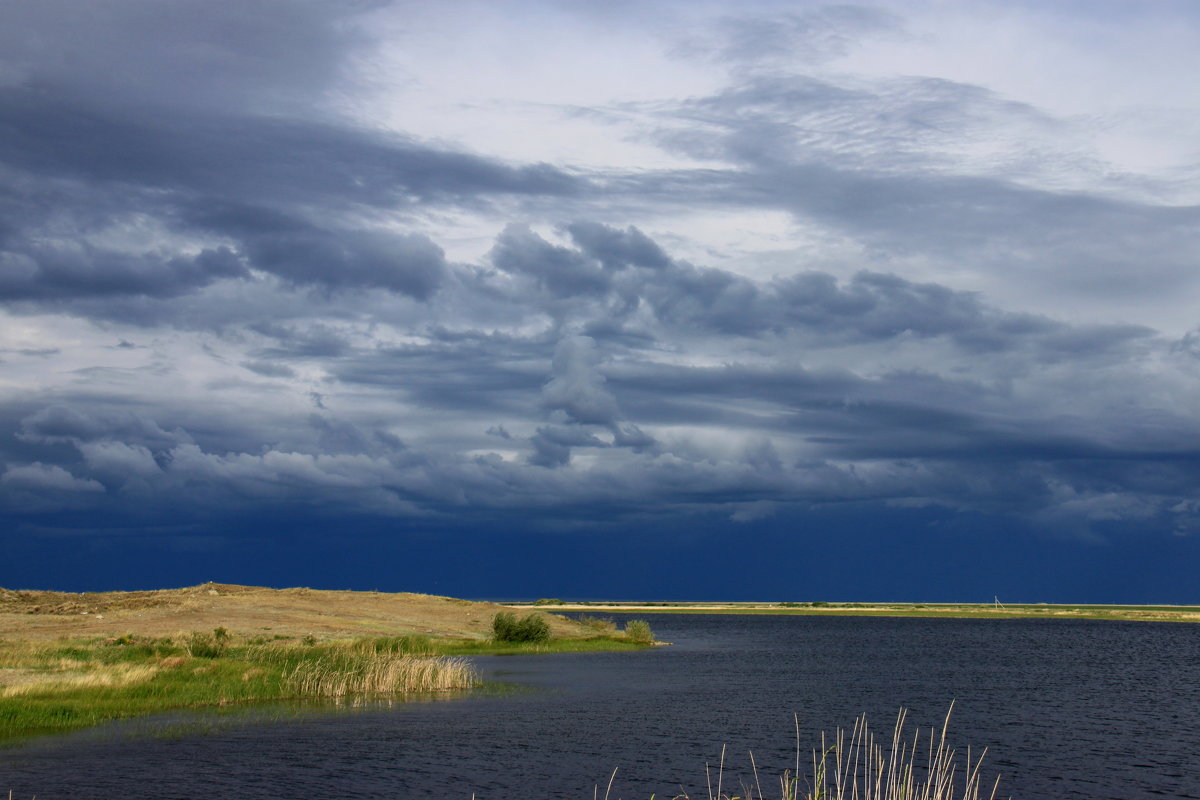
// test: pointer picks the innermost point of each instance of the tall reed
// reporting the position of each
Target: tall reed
(385, 673)
(861, 767)
(858, 766)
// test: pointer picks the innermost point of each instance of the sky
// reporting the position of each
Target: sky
(657, 300)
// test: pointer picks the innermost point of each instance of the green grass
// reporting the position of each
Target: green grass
(69, 685)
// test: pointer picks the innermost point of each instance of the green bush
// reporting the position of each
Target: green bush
(638, 630)
(507, 628)
(548, 601)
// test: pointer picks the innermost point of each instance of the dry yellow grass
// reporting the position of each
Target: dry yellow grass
(251, 610)
(106, 676)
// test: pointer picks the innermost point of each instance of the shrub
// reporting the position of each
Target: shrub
(507, 628)
(638, 630)
(548, 601)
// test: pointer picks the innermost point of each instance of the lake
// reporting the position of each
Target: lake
(1066, 708)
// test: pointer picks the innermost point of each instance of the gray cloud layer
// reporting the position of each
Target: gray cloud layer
(303, 339)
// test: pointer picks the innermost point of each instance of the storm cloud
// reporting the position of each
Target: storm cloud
(368, 261)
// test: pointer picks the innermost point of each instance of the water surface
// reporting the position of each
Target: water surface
(1067, 708)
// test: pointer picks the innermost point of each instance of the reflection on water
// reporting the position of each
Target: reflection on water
(1068, 709)
(209, 721)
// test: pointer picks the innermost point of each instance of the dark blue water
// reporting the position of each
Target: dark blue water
(1067, 709)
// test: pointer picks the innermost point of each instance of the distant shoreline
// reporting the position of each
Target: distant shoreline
(1137, 613)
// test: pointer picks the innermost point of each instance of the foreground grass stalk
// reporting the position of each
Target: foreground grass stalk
(856, 766)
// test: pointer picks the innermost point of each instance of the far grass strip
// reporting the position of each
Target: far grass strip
(1121, 613)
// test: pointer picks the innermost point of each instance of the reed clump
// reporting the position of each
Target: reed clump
(638, 630)
(861, 767)
(380, 674)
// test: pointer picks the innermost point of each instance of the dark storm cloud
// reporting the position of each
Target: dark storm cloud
(552, 444)
(212, 127)
(76, 270)
(186, 52)
(868, 307)
(617, 249)
(560, 270)
(253, 182)
(410, 264)
(247, 157)
(306, 342)
(62, 423)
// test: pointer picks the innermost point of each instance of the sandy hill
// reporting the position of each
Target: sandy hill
(249, 611)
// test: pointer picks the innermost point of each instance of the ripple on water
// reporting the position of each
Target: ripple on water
(1067, 709)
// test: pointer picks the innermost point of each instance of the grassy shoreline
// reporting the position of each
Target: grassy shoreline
(66, 685)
